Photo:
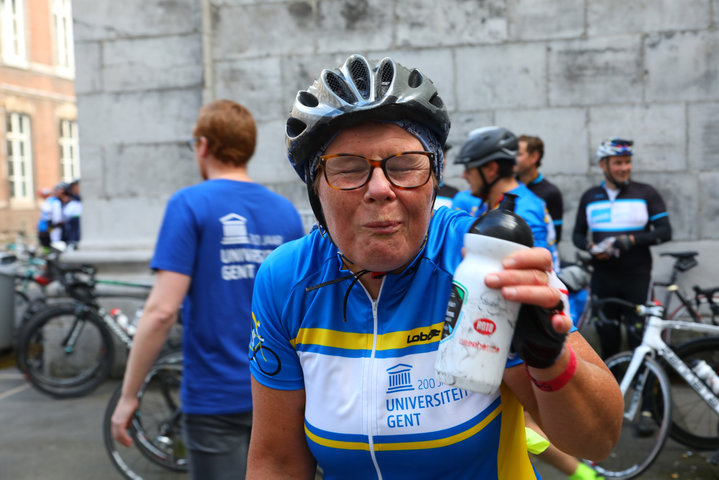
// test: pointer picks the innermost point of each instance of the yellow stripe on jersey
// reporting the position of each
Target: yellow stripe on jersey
(359, 341)
(419, 445)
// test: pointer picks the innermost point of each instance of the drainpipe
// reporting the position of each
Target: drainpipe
(208, 91)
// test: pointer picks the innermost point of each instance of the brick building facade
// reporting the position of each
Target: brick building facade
(38, 113)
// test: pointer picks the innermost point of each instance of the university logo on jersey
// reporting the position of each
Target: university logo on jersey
(400, 379)
(234, 229)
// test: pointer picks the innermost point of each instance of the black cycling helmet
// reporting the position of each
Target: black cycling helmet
(357, 92)
(360, 91)
(486, 145)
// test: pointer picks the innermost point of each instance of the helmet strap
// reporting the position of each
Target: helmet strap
(486, 186)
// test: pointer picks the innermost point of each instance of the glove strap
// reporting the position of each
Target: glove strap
(560, 380)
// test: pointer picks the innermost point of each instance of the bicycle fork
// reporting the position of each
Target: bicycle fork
(634, 364)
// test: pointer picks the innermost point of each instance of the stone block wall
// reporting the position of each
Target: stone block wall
(572, 72)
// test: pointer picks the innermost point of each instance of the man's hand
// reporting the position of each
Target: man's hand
(121, 419)
(623, 242)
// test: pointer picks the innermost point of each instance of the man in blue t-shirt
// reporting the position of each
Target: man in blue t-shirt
(213, 238)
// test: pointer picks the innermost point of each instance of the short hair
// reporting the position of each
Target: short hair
(534, 144)
(230, 131)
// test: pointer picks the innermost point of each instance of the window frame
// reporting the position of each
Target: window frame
(20, 165)
(13, 44)
(69, 145)
(63, 49)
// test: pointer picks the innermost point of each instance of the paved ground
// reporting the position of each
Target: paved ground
(43, 438)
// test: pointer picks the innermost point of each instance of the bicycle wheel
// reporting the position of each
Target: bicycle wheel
(158, 450)
(694, 423)
(647, 417)
(65, 350)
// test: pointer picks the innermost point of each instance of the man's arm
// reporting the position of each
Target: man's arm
(278, 446)
(579, 236)
(555, 205)
(159, 314)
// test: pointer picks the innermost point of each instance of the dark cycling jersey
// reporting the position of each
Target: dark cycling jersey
(551, 195)
(638, 210)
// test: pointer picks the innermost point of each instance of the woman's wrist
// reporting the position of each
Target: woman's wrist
(558, 380)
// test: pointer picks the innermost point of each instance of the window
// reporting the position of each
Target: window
(69, 157)
(19, 156)
(62, 24)
(12, 28)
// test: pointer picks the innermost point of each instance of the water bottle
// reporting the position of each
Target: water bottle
(479, 322)
(707, 373)
(121, 319)
(132, 328)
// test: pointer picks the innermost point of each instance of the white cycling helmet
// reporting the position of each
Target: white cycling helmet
(357, 92)
(361, 91)
(615, 147)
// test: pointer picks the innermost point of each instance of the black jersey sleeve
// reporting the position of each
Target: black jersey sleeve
(579, 236)
(659, 229)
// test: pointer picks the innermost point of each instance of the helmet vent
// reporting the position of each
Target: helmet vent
(415, 79)
(436, 100)
(386, 75)
(295, 127)
(307, 99)
(359, 72)
(339, 87)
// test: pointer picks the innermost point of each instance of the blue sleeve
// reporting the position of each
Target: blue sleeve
(273, 360)
(177, 241)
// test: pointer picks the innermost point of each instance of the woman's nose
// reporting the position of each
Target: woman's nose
(379, 185)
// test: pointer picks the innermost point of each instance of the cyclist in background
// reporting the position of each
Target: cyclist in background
(489, 156)
(213, 238)
(348, 319)
(465, 201)
(44, 223)
(529, 159)
(617, 222)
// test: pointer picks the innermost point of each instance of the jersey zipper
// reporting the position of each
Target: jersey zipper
(370, 400)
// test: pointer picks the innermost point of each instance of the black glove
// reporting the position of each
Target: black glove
(623, 243)
(535, 339)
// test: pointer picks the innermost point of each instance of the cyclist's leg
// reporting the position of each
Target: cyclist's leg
(610, 334)
(635, 290)
(217, 445)
(565, 463)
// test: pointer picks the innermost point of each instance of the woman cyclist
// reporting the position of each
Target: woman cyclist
(354, 310)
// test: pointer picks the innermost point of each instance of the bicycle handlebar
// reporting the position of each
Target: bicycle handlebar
(640, 309)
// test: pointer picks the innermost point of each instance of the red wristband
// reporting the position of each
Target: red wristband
(560, 380)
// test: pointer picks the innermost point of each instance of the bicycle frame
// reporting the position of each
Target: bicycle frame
(652, 343)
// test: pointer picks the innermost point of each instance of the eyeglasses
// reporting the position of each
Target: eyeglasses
(406, 170)
(191, 144)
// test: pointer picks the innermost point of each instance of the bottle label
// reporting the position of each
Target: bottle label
(454, 309)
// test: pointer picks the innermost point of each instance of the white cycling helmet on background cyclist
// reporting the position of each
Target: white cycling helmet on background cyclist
(615, 147)
(362, 91)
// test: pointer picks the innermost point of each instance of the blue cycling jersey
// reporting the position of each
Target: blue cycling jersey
(375, 408)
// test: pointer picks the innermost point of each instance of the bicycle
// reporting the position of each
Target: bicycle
(703, 308)
(67, 350)
(158, 449)
(658, 404)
